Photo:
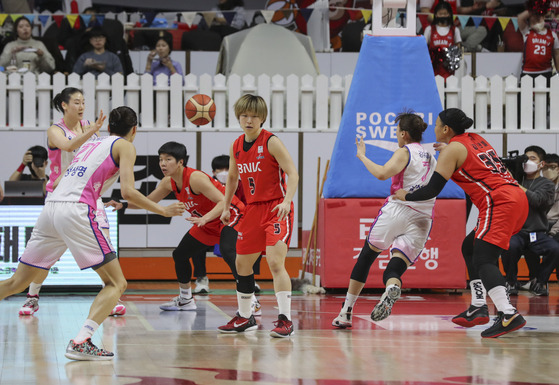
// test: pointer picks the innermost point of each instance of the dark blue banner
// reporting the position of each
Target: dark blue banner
(393, 74)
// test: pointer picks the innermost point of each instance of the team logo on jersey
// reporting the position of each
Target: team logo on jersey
(260, 152)
(237, 154)
(96, 186)
(248, 167)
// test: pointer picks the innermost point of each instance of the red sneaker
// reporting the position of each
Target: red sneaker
(284, 327)
(239, 324)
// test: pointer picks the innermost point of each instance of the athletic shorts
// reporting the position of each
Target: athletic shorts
(401, 227)
(209, 233)
(503, 214)
(261, 227)
(66, 225)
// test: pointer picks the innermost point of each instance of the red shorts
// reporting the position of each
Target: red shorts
(261, 227)
(503, 215)
(209, 233)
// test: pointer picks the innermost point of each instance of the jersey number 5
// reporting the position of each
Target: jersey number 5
(252, 185)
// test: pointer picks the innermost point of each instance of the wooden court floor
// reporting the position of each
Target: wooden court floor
(416, 345)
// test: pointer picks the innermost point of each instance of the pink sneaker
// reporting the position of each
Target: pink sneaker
(119, 309)
(30, 306)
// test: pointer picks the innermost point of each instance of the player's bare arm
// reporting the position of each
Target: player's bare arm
(161, 191)
(230, 187)
(278, 151)
(392, 167)
(57, 139)
(201, 184)
(124, 153)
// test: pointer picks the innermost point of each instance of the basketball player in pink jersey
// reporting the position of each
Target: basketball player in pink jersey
(68, 220)
(64, 139)
(404, 228)
(261, 161)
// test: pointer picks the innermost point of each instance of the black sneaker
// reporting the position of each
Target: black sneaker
(539, 288)
(504, 323)
(512, 288)
(475, 315)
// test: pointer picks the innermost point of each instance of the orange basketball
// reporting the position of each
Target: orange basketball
(200, 109)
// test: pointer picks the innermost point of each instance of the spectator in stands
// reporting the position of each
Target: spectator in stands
(25, 52)
(541, 46)
(472, 36)
(551, 172)
(533, 236)
(227, 10)
(236, 10)
(163, 64)
(98, 60)
(441, 34)
(36, 158)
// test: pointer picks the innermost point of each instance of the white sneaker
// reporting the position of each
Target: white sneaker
(179, 303)
(202, 285)
(384, 307)
(343, 320)
(255, 307)
(257, 288)
(30, 306)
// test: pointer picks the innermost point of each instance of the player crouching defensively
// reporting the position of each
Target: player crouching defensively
(403, 226)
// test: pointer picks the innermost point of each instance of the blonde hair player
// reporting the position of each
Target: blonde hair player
(261, 161)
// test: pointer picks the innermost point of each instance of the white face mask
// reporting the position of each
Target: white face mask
(538, 27)
(222, 176)
(551, 174)
(530, 167)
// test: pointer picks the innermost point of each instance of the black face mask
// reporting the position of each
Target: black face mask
(443, 20)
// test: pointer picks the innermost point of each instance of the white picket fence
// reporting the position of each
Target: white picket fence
(295, 104)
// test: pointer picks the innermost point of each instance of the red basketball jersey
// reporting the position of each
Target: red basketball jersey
(482, 171)
(197, 204)
(261, 176)
(538, 52)
(438, 40)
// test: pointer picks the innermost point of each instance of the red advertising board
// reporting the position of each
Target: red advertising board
(344, 225)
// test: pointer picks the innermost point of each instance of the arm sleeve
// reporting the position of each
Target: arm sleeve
(79, 68)
(542, 195)
(431, 190)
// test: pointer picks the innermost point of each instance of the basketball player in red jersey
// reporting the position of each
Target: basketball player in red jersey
(261, 161)
(473, 164)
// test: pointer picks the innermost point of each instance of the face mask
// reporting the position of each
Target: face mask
(530, 167)
(538, 27)
(443, 20)
(222, 176)
(551, 174)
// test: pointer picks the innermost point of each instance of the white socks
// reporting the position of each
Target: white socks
(244, 300)
(349, 302)
(479, 295)
(34, 288)
(185, 293)
(89, 327)
(501, 300)
(284, 303)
